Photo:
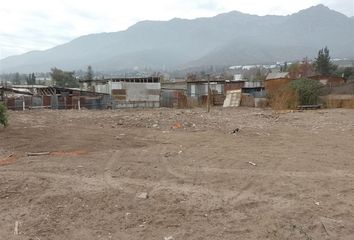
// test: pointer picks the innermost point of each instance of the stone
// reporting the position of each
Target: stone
(143, 195)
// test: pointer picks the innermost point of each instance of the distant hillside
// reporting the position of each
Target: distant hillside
(226, 39)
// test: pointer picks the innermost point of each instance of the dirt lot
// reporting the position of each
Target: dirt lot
(198, 181)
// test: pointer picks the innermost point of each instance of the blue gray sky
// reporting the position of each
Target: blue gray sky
(42, 24)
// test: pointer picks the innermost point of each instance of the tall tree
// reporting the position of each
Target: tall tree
(323, 64)
(63, 79)
(89, 77)
(284, 68)
(16, 79)
(31, 79)
(89, 73)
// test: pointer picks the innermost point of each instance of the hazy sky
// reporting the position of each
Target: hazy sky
(41, 24)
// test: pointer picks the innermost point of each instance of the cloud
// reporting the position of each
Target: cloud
(41, 24)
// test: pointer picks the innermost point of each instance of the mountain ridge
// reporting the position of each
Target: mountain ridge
(225, 39)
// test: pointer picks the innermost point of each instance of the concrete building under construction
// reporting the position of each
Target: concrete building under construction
(127, 92)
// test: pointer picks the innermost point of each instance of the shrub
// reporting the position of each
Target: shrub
(308, 90)
(3, 115)
(284, 98)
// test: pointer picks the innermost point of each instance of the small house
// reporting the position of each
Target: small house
(276, 81)
(197, 91)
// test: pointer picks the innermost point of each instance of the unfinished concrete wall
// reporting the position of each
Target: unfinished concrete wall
(138, 92)
(133, 91)
(132, 94)
(104, 88)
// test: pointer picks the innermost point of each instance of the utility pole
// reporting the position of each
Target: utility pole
(208, 101)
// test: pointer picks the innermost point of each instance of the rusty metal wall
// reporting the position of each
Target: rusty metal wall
(173, 98)
(37, 101)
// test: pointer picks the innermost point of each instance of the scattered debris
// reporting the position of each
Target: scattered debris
(177, 126)
(58, 153)
(252, 163)
(143, 195)
(325, 228)
(168, 154)
(317, 203)
(38, 154)
(16, 228)
(236, 130)
(330, 225)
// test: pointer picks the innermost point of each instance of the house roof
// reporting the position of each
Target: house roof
(277, 75)
(16, 90)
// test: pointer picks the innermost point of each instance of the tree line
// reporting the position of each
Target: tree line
(322, 65)
(58, 77)
(63, 78)
(18, 78)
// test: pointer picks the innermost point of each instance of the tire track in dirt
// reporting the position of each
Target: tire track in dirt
(90, 183)
(257, 172)
(176, 173)
(97, 184)
(122, 183)
(93, 183)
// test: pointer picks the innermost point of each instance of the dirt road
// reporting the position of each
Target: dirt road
(178, 174)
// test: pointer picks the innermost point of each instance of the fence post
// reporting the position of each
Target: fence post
(78, 104)
(209, 94)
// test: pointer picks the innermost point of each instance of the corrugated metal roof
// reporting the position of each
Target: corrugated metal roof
(277, 75)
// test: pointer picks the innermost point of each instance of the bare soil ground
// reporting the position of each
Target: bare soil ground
(197, 176)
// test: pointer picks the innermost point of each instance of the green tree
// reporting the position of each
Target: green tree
(3, 115)
(31, 79)
(89, 73)
(308, 90)
(323, 64)
(89, 77)
(284, 68)
(63, 78)
(16, 79)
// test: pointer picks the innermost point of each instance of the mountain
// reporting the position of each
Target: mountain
(226, 39)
